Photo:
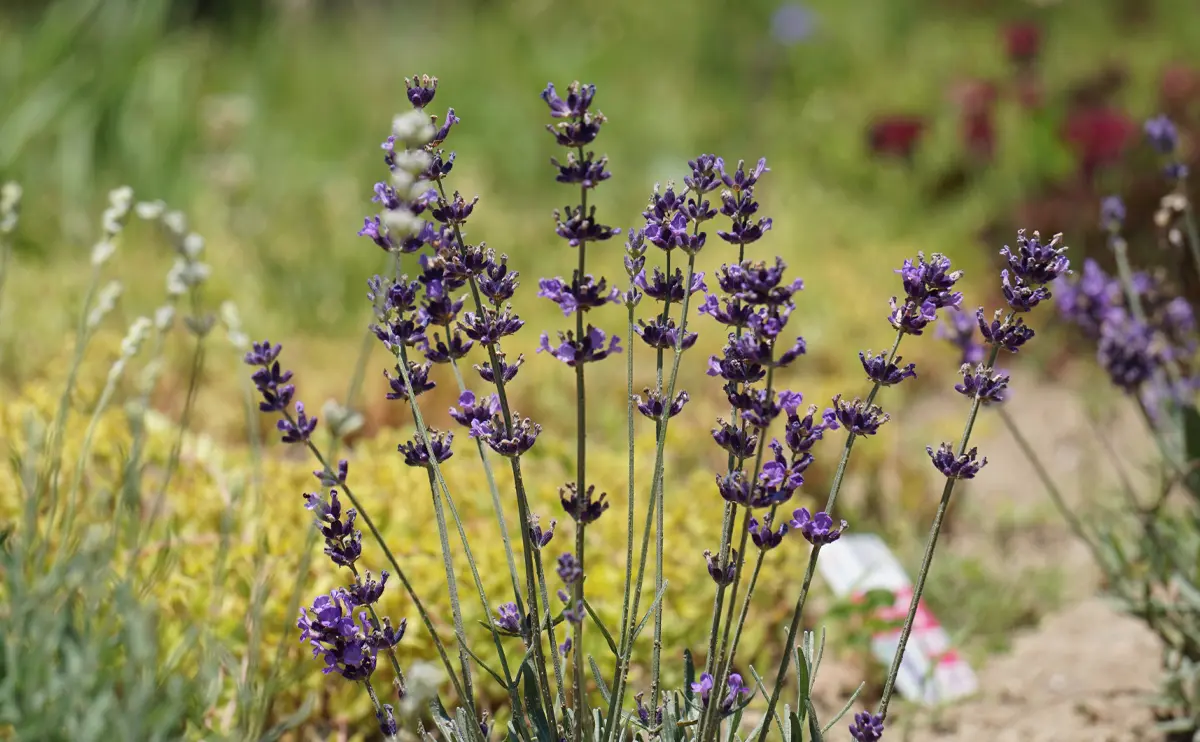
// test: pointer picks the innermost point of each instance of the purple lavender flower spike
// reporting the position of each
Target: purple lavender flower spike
(416, 453)
(490, 325)
(707, 171)
(763, 536)
(1087, 300)
(721, 575)
(343, 542)
(587, 172)
(740, 442)
(1126, 352)
(508, 618)
(584, 509)
(589, 294)
(817, 529)
(472, 409)
(660, 287)
(857, 417)
(643, 712)
(299, 430)
(803, 432)
(590, 349)
(983, 383)
(377, 233)
(565, 648)
(538, 537)
(955, 467)
(930, 281)
(912, 317)
(867, 727)
(655, 404)
(577, 227)
(568, 569)
(334, 635)
(333, 479)
(421, 90)
(492, 432)
(664, 335)
(1162, 134)
(272, 382)
(418, 376)
(1009, 334)
(367, 591)
(884, 372)
(508, 371)
(1112, 214)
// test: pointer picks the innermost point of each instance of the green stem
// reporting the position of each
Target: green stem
(931, 544)
(523, 512)
(376, 704)
(834, 490)
(579, 679)
(655, 492)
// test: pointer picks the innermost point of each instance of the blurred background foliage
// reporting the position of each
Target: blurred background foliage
(262, 121)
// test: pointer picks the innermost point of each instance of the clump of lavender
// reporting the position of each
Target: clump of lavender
(457, 299)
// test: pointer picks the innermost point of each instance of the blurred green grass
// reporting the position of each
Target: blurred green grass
(270, 138)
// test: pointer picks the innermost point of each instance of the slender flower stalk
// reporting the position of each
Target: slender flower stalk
(577, 128)
(928, 287)
(1031, 267)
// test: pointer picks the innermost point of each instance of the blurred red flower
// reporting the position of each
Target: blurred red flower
(1098, 137)
(1022, 42)
(896, 135)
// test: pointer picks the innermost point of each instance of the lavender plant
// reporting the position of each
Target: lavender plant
(461, 302)
(1144, 336)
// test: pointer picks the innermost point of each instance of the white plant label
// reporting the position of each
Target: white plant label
(932, 671)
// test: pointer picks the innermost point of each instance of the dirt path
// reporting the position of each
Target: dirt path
(1084, 673)
(1082, 676)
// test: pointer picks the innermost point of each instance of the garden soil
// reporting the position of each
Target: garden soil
(1085, 672)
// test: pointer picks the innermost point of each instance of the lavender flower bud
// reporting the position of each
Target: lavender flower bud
(857, 417)
(584, 509)
(983, 384)
(655, 404)
(912, 317)
(588, 294)
(367, 591)
(333, 479)
(538, 537)
(509, 618)
(763, 536)
(343, 543)
(721, 575)
(417, 453)
(1009, 334)
(492, 432)
(817, 529)
(588, 349)
(739, 442)
(884, 372)
(867, 727)
(508, 371)
(421, 90)
(387, 721)
(569, 570)
(300, 429)
(418, 376)
(955, 467)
